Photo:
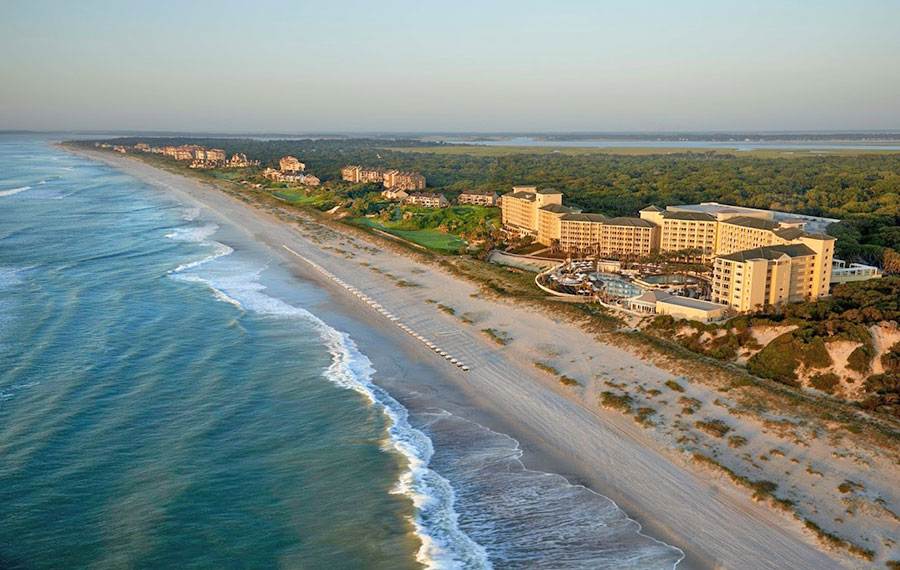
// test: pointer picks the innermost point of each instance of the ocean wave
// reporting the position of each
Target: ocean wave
(10, 275)
(12, 191)
(532, 519)
(219, 250)
(220, 295)
(193, 233)
(443, 544)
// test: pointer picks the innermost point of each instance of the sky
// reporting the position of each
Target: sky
(451, 66)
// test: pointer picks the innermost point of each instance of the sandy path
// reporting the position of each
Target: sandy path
(717, 526)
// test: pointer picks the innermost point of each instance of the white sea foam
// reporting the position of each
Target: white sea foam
(443, 544)
(219, 250)
(193, 233)
(191, 214)
(532, 519)
(12, 191)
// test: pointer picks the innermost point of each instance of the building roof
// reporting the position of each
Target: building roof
(652, 208)
(548, 191)
(713, 208)
(579, 217)
(558, 209)
(521, 195)
(696, 216)
(821, 236)
(790, 233)
(633, 222)
(750, 222)
(692, 303)
(770, 252)
(652, 296)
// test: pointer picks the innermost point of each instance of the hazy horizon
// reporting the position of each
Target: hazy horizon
(406, 67)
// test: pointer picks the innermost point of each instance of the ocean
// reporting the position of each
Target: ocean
(162, 407)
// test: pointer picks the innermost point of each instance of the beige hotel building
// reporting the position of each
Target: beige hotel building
(756, 260)
(753, 279)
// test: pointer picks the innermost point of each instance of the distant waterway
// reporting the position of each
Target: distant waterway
(687, 145)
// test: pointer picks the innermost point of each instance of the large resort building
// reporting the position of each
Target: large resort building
(757, 260)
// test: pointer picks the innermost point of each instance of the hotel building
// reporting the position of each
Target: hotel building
(757, 261)
(521, 212)
(753, 279)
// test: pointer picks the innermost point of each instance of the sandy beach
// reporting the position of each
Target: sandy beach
(560, 429)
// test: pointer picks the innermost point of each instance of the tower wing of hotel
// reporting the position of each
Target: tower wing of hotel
(759, 257)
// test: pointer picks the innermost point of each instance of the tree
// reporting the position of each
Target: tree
(890, 261)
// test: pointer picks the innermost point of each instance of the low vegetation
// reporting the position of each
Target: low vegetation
(613, 401)
(716, 428)
(500, 337)
(567, 381)
(546, 368)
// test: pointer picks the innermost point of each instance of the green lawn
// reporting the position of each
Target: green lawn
(297, 196)
(432, 239)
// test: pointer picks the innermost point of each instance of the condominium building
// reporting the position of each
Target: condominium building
(216, 155)
(395, 194)
(239, 160)
(427, 200)
(361, 174)
(752, 279)
(279, 176)
(389, 178)
(403, 180)
(476, 198)
(291, 164)
(181, 153)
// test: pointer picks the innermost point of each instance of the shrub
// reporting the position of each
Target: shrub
(860, 360)
(499, 337)
(891, 359)
(737, 441)
(544, 367)
(673, 385)
(716, 428)
(643, 416)
(816, 354)
(778, 360)
(614, 401)
(884, 390)
(825, 382)
(567, 381)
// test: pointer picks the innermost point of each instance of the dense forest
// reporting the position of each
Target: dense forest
(863, 190)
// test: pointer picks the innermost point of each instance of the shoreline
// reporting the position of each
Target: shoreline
(560, 435)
